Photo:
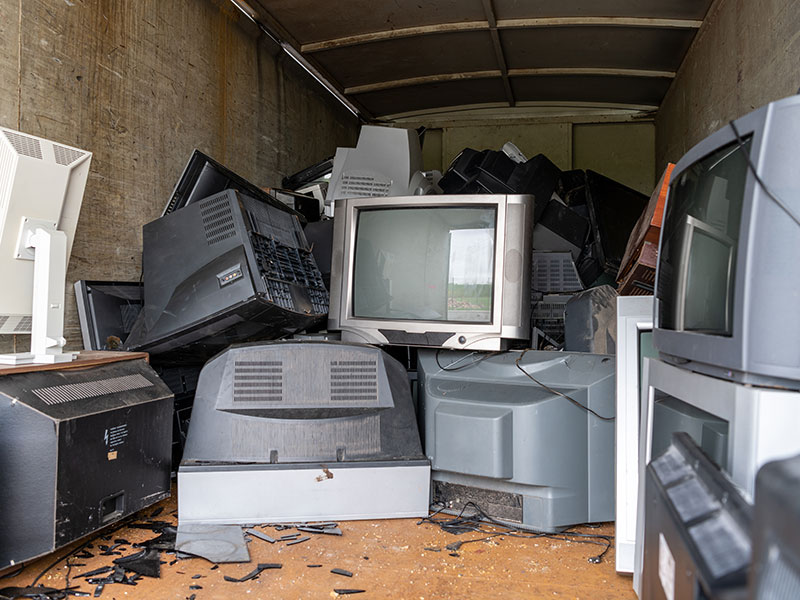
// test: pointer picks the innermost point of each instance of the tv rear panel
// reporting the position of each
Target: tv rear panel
(302, 431)
(519, 450)
(226, 269)
(80, 449)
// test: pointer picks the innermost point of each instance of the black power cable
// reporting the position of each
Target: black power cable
(556, 392)
(478, 521)
(752, 167)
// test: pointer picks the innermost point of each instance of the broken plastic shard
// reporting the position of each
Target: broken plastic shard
(217, 543)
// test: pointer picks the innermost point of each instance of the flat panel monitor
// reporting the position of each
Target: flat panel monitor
(107, 311)
(203, 177)
(41, 189)
(727, 280)
(442, 271)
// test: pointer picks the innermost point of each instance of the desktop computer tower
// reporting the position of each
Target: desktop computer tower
(81, 448)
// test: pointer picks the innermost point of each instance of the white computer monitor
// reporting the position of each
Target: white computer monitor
(739, 426)
(634, 343)
(41, 191)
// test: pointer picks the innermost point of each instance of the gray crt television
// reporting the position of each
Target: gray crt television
(438, 271)
(728, 276)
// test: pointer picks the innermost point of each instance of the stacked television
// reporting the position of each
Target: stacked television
(725, 323)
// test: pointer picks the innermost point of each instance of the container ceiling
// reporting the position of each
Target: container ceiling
(395, 58)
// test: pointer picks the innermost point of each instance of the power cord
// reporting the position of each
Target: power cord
(556, 392)
(752, 167)
(477, 523)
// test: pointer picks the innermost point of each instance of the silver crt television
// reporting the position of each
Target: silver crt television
(438, 271)
(728, 278)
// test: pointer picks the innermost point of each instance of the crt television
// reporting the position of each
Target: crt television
(727, 278)
(439, 271)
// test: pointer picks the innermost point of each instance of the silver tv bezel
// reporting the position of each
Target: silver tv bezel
(474, 336)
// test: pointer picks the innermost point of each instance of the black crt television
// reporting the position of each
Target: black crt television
(228, 268)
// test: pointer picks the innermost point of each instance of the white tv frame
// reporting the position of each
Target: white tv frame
(762, 426)
(634, 316)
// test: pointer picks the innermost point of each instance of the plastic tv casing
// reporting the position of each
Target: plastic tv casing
(511, 276)
(765, 323)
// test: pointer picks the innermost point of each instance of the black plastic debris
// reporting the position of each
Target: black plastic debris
(344, 572)
(322, 530)
(195, 587)
(192, 597)
(99, 571)
(9, 593)
(156, 512)
(345, 591)
(313, 566)
(298, 541)
(197, 576)
(99, 590)
(261, 536)
(455, 554)
(289, 536)
(165, 541)
(254, 573)
(121, 541)
(214, 568)
(147, 563)
(431, 549)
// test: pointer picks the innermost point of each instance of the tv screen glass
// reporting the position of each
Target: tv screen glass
(429, 264)
(699, 243)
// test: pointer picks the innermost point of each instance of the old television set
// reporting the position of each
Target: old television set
(739, 427)
(225, 269)
(727, 281)
(440, 271)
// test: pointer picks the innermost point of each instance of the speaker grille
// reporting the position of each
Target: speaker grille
(25, 145)
(354, 381)
(66, 156)
(217, 218)
(258, 381)
(59, 394)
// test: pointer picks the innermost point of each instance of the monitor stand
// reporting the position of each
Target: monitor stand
(41, 242)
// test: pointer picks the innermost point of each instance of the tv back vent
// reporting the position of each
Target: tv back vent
(555, 272)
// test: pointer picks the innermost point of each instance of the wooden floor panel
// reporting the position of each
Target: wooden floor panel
(388, 559)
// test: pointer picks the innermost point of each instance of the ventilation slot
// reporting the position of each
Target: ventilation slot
(354, 381)
(363, 186)
(66, 156)
(59, 394)
(25, 145)
(217, 218)
(258, 381)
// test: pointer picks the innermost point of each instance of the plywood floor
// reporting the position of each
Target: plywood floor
(388, 559)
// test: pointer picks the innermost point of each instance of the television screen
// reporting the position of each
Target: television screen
(429, 264)
(699, 243)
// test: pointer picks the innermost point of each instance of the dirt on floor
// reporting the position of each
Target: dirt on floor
(398, 558)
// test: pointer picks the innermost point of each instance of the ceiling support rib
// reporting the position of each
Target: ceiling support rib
(488, 10)
(404, 32)
(441, 77)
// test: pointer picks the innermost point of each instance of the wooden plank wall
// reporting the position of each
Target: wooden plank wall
(141, 83)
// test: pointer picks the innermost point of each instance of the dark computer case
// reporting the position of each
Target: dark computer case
(228, 268)
(80, 449)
